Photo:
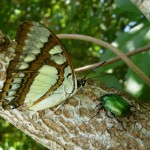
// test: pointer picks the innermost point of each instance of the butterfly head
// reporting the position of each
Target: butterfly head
(81, 82)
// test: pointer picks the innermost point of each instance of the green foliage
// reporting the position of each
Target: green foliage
(12, 138)
(118, 22)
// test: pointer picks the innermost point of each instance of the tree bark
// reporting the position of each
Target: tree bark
(143, 6)
(75, 124)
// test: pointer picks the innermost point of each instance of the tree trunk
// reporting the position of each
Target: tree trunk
(78, 124)
(143, 6)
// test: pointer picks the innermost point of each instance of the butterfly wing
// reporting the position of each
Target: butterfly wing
(41, 74)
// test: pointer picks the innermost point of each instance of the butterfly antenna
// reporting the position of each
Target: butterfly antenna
(105, 74)
(82, 81)
(93, 69)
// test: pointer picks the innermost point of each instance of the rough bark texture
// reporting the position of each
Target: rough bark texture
(73, 126)
(143, 6)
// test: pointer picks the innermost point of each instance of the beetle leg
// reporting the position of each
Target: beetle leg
(118, 121)
(101, 106)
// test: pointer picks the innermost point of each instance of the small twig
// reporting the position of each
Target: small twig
(110, 47)
(115, 59)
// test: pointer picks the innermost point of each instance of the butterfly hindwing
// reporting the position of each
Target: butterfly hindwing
(41, 74)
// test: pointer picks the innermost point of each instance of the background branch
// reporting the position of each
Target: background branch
(110, 47)
(113, 60)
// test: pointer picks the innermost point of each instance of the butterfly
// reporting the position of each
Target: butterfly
(41, 74)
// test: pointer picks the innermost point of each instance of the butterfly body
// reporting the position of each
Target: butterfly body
(41, 74)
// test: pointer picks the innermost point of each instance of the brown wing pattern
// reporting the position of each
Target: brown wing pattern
(40, 67)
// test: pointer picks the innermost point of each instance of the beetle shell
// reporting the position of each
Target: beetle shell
(115, 104)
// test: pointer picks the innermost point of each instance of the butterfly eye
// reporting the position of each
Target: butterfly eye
(81, 82)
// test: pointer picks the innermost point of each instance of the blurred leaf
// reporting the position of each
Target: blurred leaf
(128, 9)
(127, 6)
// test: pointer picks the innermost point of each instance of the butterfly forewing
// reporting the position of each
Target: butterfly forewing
(41, 74)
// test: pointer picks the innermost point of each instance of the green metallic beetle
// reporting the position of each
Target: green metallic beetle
(117, 106)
